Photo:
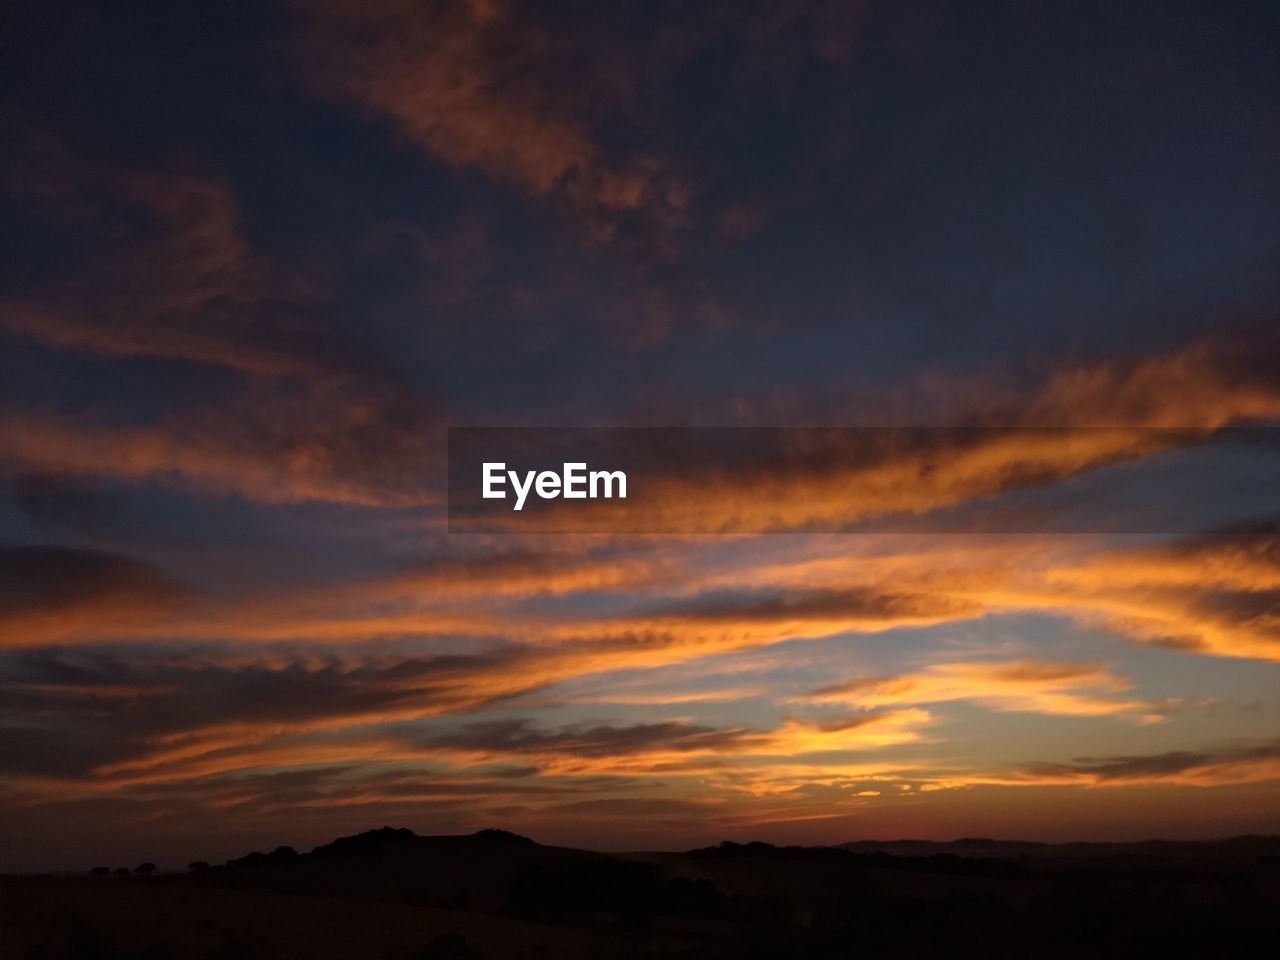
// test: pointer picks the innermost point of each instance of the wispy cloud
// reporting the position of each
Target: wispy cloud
(480, 86)
(1254, 762)
(1023, 686)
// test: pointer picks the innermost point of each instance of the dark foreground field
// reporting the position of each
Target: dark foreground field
(390, 895)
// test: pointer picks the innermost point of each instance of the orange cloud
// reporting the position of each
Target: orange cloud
(47, 592)
(171, 275)
(1212, 382)
(1257, 762)
(468, 83)
(672, 748)
(1080, 420)
(1147, 594)
(1211, 595)
(1021, 686)
(275, 447)
(176, 278)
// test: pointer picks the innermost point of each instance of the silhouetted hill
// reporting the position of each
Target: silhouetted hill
(395, 865)
(1247, 847)
(371, 842)
(389, 894)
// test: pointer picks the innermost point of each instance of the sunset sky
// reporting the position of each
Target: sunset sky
(260, 257)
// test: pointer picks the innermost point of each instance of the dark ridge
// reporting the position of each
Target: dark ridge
(370, 842)
(257, 859)
(373, 843)
(501, 836)
(1259, 844)
(390, 894)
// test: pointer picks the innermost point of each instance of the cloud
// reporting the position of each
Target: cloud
(1021, 686)
(1078, 421)
(170, 711)
(493, 90)
(49, 590)
(674, 603)
(504, 738)
(667, 749)
(478, 86)
(1244, 562)
(1211, 382)
(720, 622)
(238, 450)
(168, 272)
(1217, 595)
(1213, 595)
(177, 328)
(651, 696)
(513, 573)
(1251, 762)
(255, 739)
(656, 742)
(183, 717)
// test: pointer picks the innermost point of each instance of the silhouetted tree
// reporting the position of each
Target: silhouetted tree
(143, 869)
(251, 859)
(257, 858)
(198, 866)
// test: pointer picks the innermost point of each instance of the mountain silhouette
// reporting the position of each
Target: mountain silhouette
(391, 894)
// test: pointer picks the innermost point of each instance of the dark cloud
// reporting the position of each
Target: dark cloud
(62, 502)
(856, 604)
(296, 407)
(486, 86)
(519, 736)
(63, 580)
(105, 708)
(1240, 762)
(167, 270)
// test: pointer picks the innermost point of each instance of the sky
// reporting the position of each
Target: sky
(259, 258)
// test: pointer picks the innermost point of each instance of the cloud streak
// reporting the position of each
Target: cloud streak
(1232, 764)
(1021, 686)
(478, 86)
